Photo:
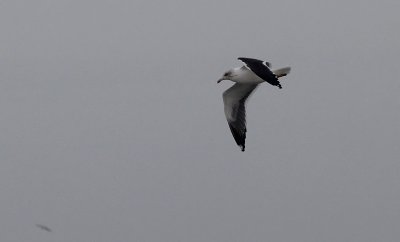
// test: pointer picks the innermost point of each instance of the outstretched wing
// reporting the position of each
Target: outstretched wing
(261, 69)
(234, 106)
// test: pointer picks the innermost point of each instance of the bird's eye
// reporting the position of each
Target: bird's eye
(226, 74)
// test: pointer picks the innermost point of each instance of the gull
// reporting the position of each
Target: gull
(246, 79)
(44, 227)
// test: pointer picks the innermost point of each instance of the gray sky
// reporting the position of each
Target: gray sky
(112, 124)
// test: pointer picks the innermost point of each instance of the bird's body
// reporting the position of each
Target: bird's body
(247, 78)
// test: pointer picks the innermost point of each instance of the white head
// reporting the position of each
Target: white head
(227, 76)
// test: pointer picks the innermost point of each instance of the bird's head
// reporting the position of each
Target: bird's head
(227, 76)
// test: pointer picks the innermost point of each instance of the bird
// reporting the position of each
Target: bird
(44, 227)
(246, 78)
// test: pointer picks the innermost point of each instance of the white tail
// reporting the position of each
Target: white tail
(281, 72)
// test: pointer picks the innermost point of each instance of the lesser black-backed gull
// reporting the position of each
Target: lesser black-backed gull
(246, 80)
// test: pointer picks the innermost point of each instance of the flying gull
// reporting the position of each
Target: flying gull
(44, 227)
(246, 80)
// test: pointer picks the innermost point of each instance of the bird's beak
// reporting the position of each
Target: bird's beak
(220, 80)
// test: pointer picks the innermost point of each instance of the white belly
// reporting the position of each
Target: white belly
(246, 76)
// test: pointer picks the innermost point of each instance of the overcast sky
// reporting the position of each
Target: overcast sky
(112, 124)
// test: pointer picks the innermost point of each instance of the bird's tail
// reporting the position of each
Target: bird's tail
(281, 72)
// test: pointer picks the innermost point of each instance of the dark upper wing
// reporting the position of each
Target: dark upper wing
(262, 70)
(234, 106)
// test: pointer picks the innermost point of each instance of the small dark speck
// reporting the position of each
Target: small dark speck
(45, 228)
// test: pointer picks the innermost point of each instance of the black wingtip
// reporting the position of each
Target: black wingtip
(239, 137)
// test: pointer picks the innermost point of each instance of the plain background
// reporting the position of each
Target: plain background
(112, 124)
